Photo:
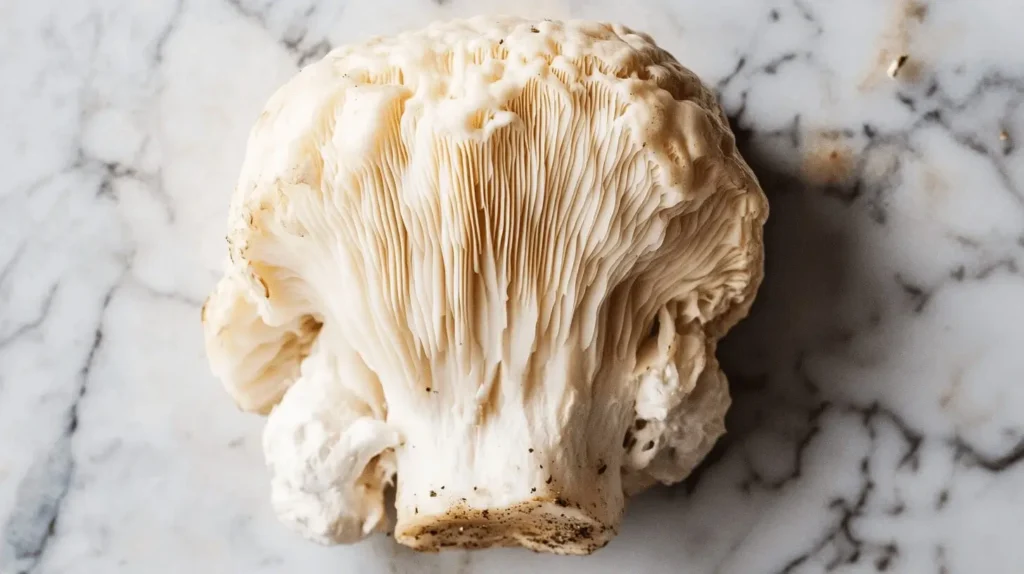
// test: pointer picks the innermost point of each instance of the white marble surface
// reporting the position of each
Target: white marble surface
(879, 386)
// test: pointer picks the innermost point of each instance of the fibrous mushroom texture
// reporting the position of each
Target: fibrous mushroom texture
(487, 262)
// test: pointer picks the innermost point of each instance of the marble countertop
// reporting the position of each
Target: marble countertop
(878, 422)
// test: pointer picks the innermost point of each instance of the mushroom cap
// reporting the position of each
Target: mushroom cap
(486, 215)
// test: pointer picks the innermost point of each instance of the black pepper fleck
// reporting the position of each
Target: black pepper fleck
(433, 494)
(603, 468)
(640, 424)
(531, 450)
(647, 447)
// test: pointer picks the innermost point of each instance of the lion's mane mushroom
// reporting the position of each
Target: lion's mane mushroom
(490, 260)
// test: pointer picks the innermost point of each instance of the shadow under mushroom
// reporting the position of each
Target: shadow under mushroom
(820, 292)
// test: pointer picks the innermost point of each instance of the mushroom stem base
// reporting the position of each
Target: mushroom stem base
(540, 524)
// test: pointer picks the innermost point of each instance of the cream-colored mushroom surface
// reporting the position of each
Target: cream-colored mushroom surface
(487, 262)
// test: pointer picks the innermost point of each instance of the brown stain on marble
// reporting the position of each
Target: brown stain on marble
(950, 392)
(936, 190)
(829, 161)
(894, 42)
(965, 409)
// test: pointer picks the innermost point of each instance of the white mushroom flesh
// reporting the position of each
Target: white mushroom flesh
(447, 253)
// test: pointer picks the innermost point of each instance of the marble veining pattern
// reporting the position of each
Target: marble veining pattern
(878, 420)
